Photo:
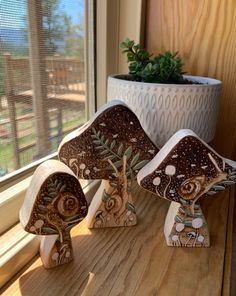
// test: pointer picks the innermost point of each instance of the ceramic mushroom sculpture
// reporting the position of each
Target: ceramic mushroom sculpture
(185, 169)
(54, 203)
(113, 147)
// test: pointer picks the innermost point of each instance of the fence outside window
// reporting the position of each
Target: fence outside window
(42, 69)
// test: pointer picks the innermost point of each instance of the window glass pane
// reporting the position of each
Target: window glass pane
(42, 77)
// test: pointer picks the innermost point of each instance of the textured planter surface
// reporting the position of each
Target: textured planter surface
(165, 108)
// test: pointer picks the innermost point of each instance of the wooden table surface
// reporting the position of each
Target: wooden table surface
(136, 261)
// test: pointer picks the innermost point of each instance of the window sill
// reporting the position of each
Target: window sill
(18, 247)
(136, 261)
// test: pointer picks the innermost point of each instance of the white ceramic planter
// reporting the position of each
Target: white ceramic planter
(165, 108)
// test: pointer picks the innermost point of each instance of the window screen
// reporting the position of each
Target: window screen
(42, 77)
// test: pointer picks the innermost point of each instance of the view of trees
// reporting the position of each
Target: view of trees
(63, 34)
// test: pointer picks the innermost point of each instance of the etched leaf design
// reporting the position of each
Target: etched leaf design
(130, 207)
(113, 143)
(140, 164)
(96, 141)
(135, 159)
(128, 152)
(120, 149)
(113, 184)
(49, 230)
(47, 199)
(178, 219)
(105, 196)
(69, 227)
(99, 147)
(42, 208)
(104, 152)
(118, 164)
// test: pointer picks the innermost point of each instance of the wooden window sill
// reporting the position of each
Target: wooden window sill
(136, 260)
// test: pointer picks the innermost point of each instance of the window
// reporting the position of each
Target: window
(42, 78)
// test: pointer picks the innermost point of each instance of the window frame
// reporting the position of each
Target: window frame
(111, 20)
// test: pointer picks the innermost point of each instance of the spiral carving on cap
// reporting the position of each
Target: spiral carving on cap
(114, 203)
(192, 187)
(67, 205)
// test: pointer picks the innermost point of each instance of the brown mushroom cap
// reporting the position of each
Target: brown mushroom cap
(54, 199)
(113, 132)
(184, 168)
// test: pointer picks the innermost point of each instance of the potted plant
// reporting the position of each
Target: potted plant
(163, 98)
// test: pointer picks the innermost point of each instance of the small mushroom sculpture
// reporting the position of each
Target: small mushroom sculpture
(185, 169)
(54, 203)
(113, 147)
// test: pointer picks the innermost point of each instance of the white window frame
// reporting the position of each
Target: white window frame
(115, 20)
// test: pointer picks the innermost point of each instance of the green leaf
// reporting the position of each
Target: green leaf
(48, 230)
(113, 143)
(104, 152)
(42, 208)
(106, 143)
(113, 184)
(69, 227)
(130, 207)
(140, 164)
(99, 147)
(128, 152)
(178, 219)
(105, 196)
(118, 164)
(47, 199)
(135, 159)
(63, 187)
(94, 131)
(182, 210)
(120, 149)
(97, 142)
(111, 157)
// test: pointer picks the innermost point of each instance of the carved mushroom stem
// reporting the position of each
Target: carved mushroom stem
(56, 250)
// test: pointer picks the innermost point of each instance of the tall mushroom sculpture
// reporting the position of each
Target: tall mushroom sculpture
(54, 203)
(113, 147)
(185, 169)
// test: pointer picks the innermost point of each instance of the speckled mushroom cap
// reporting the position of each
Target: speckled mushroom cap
(113, 132)
(186, 167)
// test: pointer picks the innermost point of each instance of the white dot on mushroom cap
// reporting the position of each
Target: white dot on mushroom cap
(179, 227)
(32, 228)
(175, 238)
(200, 238)
(197, 223)
(170, 170)
(55, 256)
(67, 254)
(38, 223)
(156, 181)
(82, 166)
(87, 172)
(128, 213)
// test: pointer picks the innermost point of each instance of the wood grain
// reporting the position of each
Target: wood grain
(135, 260)
(204, 33)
